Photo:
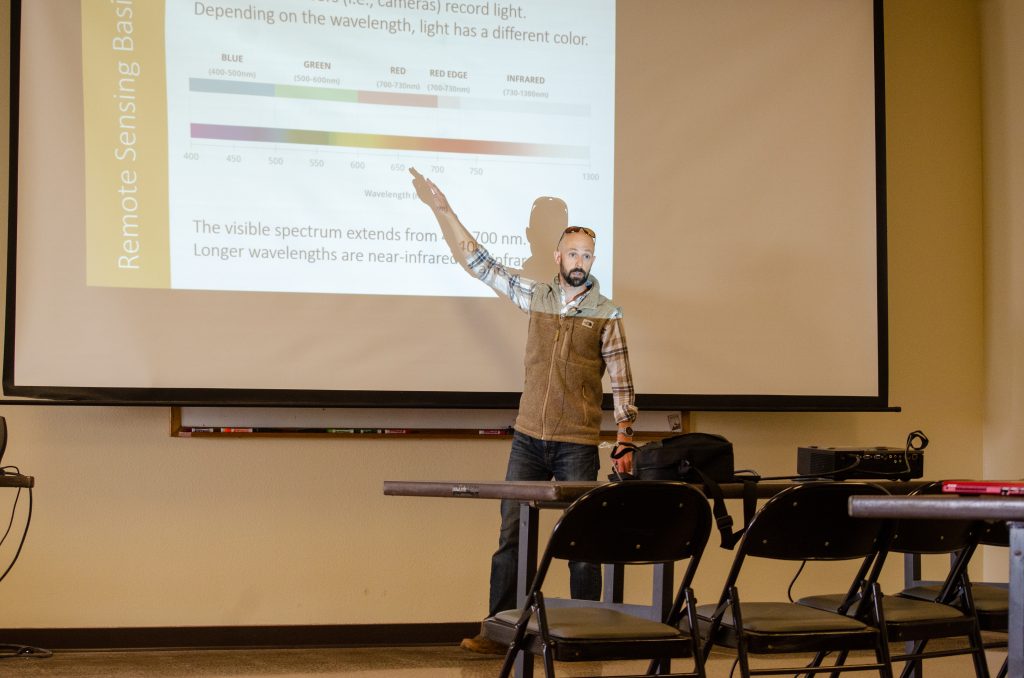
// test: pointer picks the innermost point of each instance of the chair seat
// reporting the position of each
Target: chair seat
(992, 603)
(785, 618)
(593, 634)
(987, 598)
(895, 609)
(591, 623)
(773, 628)
(908, 619)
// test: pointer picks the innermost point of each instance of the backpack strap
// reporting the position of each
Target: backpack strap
(622, 449)
(723, 520)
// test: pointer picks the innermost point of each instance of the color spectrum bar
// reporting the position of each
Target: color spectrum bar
(361, 96)
(386, 142)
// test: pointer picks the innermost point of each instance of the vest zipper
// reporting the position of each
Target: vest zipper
(547, 388)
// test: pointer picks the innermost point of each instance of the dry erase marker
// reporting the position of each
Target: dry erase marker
(396, 430)
(492, 431)
(234, 429)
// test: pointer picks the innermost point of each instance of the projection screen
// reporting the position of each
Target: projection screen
(211, 199)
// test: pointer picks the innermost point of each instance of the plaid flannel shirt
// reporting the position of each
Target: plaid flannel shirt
(613, 338)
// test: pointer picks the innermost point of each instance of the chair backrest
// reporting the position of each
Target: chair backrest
(811, 521)
(636, 521)
(932, 536)
(994, 533)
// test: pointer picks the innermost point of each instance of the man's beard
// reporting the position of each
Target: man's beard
(577, 277)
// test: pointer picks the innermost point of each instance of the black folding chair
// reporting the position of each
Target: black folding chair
(636, 522)
(805, 522)
(991, 601)
(916, 621)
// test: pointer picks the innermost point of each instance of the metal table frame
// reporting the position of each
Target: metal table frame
(1010, 509)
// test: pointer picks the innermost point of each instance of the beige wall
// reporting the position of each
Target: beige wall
(1003, 102)
(134, 528)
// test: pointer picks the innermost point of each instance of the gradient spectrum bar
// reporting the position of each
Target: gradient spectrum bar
(387, 142)
(360, 96)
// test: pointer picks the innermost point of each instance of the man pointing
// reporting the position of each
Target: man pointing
(575, 335)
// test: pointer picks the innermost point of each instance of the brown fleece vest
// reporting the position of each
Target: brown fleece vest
(562, 391)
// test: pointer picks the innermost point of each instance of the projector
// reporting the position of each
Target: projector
(861, 463)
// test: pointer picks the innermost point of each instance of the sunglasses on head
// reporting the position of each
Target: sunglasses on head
(580, 229)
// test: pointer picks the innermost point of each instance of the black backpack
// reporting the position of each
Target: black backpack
(704, 458)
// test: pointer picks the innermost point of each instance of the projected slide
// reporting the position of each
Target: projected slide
(265, 145)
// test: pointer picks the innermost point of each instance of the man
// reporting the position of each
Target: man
(574, 335)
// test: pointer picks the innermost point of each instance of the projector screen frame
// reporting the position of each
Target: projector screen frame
(440, 399)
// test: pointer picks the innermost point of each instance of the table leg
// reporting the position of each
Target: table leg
(1015, 641)
(613, 583)
(662, 591)
(911, 577)
(528, 522)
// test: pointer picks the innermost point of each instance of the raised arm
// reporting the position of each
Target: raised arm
(476, 260)
(461, 242)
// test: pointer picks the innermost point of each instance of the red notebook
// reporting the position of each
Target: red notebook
(1000, 487)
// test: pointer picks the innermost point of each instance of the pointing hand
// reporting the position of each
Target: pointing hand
(428, 192)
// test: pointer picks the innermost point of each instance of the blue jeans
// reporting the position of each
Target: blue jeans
(534, 459)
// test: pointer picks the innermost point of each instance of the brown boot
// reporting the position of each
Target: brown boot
(482, 645)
